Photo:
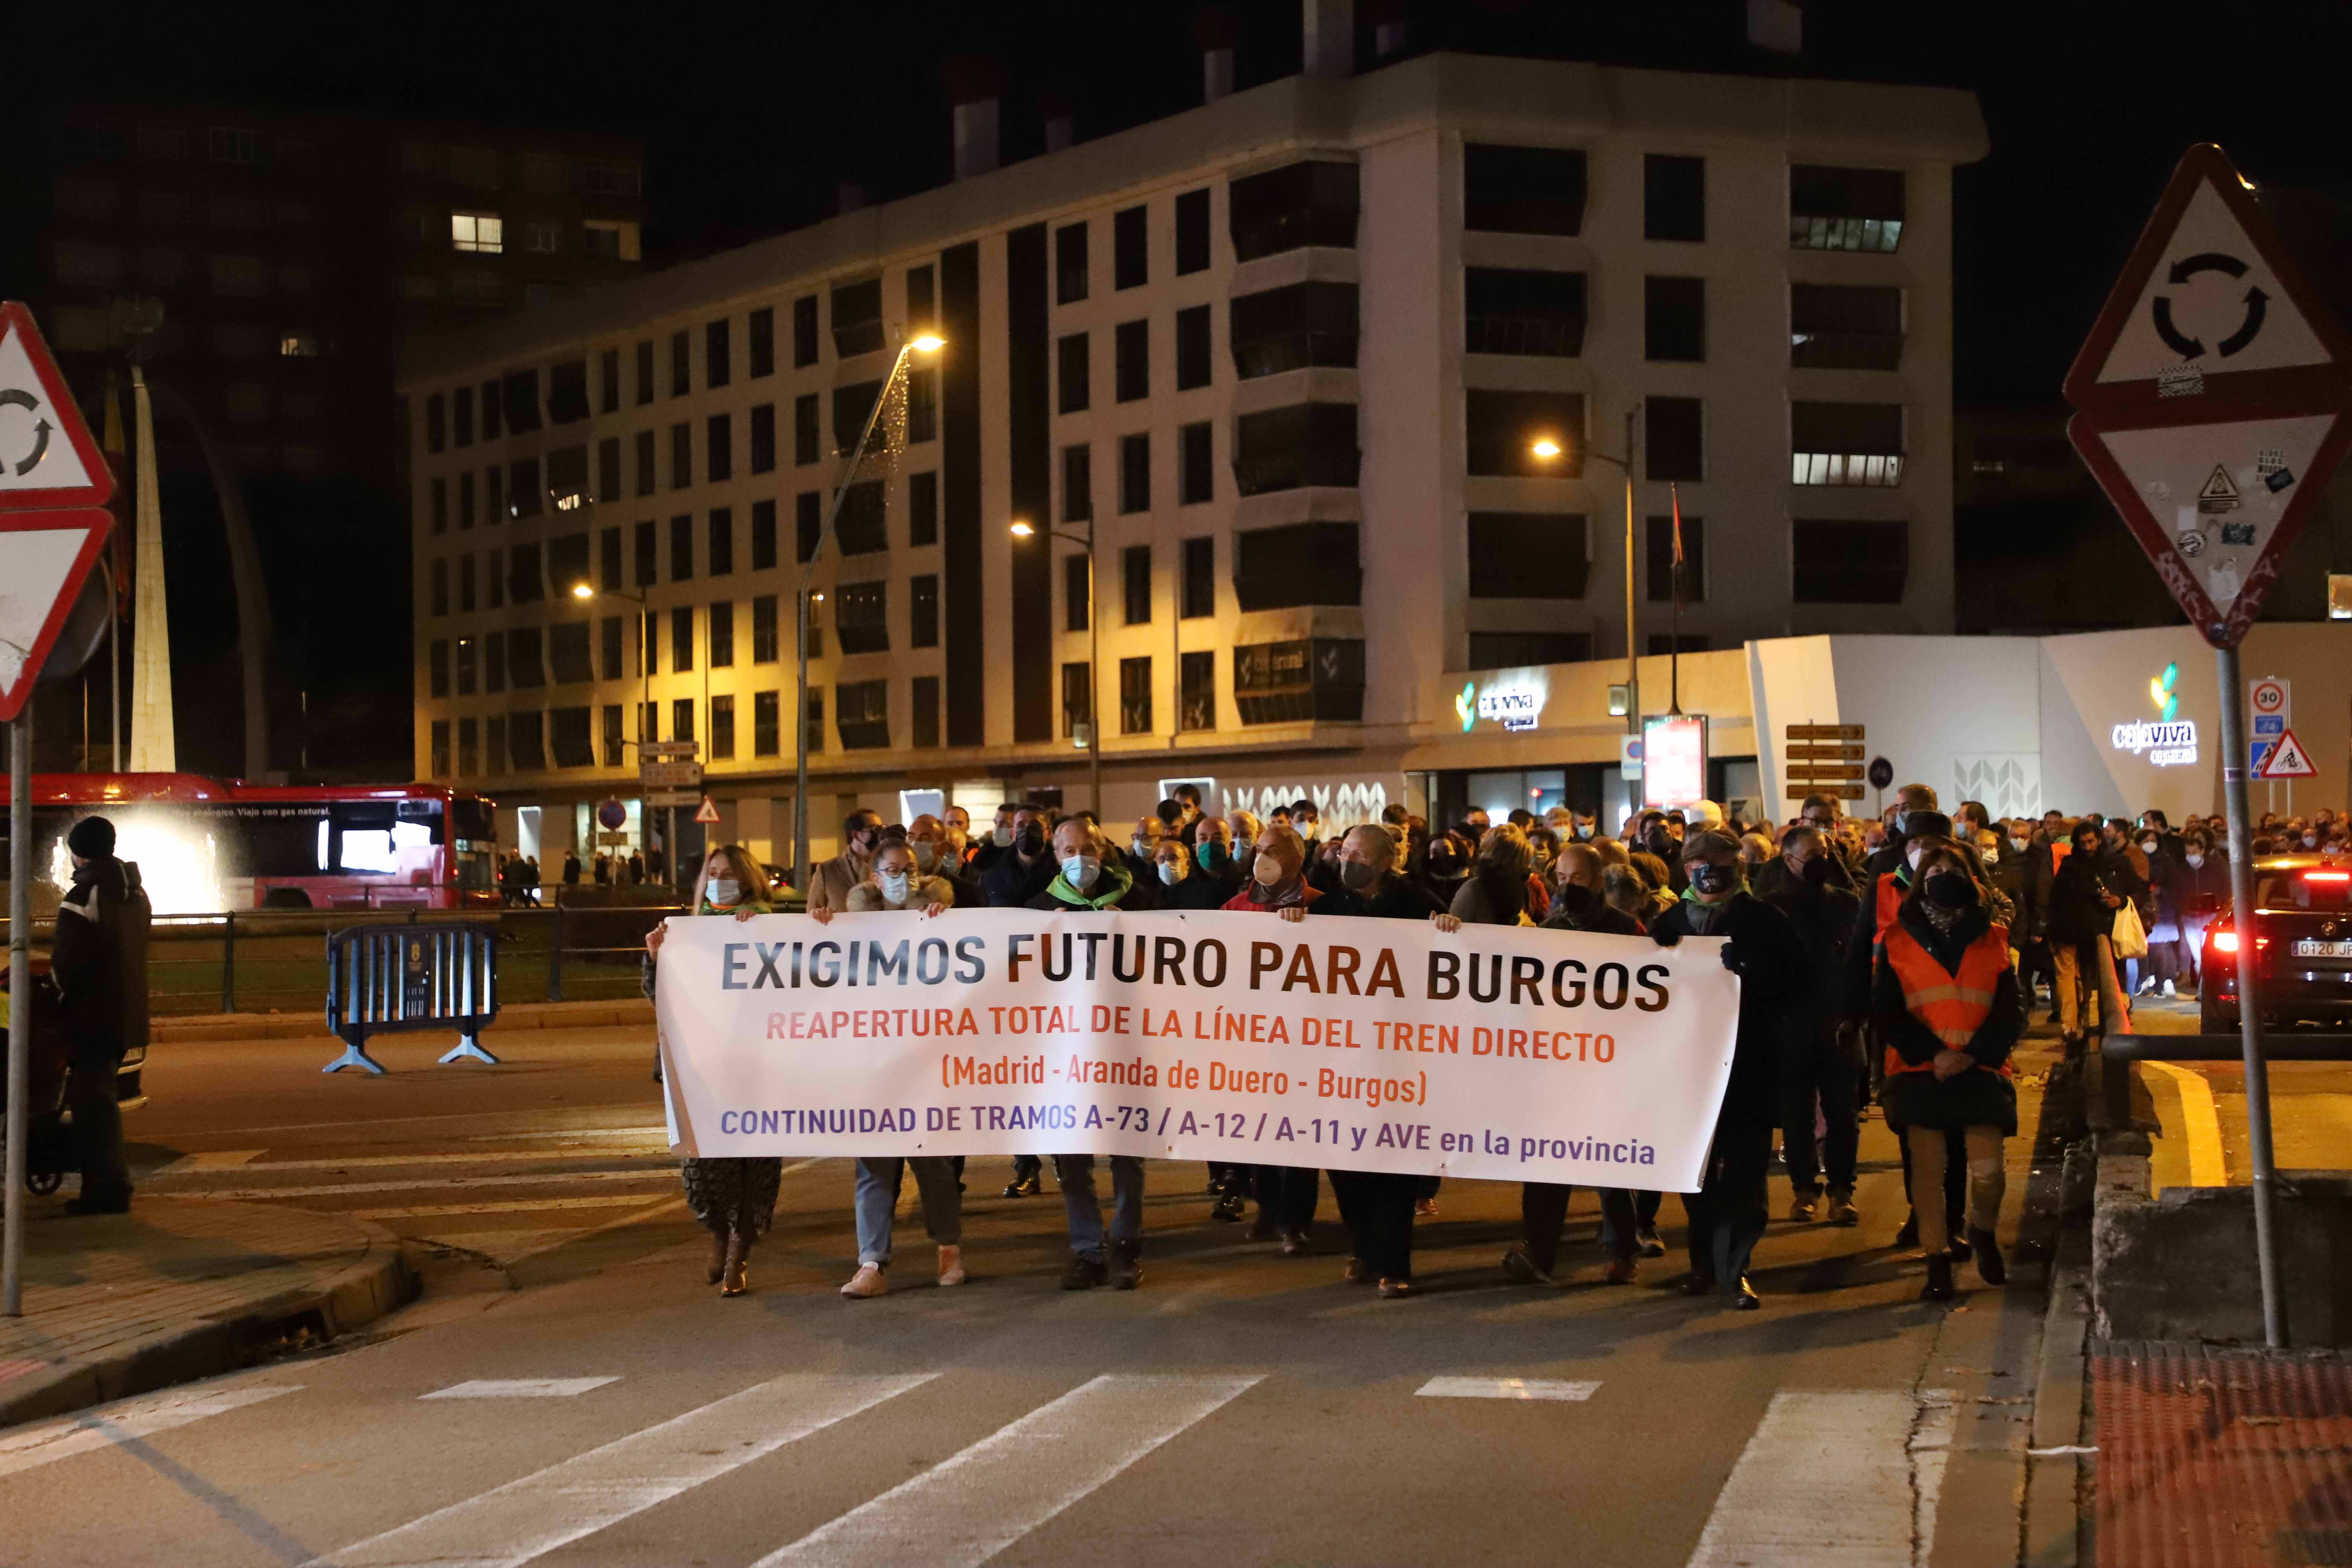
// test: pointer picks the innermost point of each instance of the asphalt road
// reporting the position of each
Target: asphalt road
(1242, 1407)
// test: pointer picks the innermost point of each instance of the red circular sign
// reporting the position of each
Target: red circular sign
(2269, 697)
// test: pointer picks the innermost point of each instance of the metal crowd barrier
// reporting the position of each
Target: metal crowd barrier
(384, 979)
(2277, 1047)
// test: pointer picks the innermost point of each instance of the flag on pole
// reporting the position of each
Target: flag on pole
(1682, 592)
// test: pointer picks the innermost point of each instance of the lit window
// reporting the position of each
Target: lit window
(299, 346)
(612, 238)
(485, 232)
(546, 238)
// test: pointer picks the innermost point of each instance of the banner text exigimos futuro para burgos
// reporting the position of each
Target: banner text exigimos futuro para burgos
(1505, 1052)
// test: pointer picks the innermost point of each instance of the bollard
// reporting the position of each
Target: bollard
(228, 962)
(555, 949)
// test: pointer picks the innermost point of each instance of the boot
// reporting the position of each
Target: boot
(951, 1264)
(1126, 1264)
(1991, 1268)
(734, 1280)
(1939, 1287)
(718, 1257)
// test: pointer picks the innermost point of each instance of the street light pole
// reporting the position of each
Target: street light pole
(646, 673)
(1024, 529)
(1546, 449)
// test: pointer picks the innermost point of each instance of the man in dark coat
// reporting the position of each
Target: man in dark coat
(99, 965)
(1824, 1059)
(1024, 869)
(1731, 1208)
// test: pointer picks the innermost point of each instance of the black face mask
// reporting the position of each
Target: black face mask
(1658, 842)
(1949, 890)
(1712, 877)
(1031, 840)
(1817, 870)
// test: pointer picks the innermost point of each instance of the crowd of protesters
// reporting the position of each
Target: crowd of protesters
(1889, 960)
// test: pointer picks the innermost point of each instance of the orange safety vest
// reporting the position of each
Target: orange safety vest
(1954, 1007)
(1889, 902)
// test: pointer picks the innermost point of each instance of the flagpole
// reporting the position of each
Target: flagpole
(1675, 620)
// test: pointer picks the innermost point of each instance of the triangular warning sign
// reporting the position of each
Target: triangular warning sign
(46, 457)
(706, 813)
(2215, 496)
(2288, 760)
(2210, 303)
(43, 556)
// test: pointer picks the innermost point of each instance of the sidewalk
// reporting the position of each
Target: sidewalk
(120, 1304)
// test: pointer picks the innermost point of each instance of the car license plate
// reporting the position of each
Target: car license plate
(2313, 947)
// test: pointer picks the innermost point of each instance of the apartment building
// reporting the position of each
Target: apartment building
(1335, 374)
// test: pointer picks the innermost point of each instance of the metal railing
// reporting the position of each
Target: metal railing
(2277, 1047)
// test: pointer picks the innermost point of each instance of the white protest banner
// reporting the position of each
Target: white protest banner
(1504, 1052)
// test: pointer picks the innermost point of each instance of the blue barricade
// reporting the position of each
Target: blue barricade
(385, 978)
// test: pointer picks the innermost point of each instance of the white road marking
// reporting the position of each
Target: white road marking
(655, 1133)
(520, 1388)
(965, 1509)
(1931, 1453)
(1825, 1482)
(31, 1447)
(512, 1205)
(473, 1157)
(568, 1237)
(1503, 1388)
(217, 1160)
(338, 1189)
(552, 1508)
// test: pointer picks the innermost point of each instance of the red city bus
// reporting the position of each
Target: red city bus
(205, 845)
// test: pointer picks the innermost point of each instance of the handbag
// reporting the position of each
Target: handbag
(2130, 937)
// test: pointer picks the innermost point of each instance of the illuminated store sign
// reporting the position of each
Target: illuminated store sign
(2165, 743)
(1515, 705)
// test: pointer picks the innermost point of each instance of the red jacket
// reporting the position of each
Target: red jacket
(1241, 901)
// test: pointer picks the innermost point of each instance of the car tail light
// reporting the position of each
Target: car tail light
(2225, 941)
(2327, 876)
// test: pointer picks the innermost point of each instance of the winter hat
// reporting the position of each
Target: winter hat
(1282, 846)
(92, 838)
(1700, 846)
(1707, 812)
(1927, 824)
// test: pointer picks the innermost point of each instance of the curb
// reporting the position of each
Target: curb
(352, 1297)
(221, 1027)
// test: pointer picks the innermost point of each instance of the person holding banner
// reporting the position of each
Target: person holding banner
(1286, 1194)
(1944, 999)
(734, 1198)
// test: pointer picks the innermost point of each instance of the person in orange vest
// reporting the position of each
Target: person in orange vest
(1944, 1001)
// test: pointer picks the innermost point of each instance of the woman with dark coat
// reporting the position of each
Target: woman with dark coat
(2084, 898)
(1286, 1194)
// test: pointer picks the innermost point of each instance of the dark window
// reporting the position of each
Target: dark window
(1194, 353)
(767, 716)
(1673, 318)
(1130, 263)
(922, 299)
(645, 455)
(763, 439)
(461, 416)
(1135, 578)
(608, 381)
(524, 584)
(717, 356)
(527, 741)
(923, 612)
(923, 508)
(1528, 555)
(1844, 209)
(1290, 682)
(608, 552)
(1196, 465)
(466, 583)
(567, 392)
(1135, 473)
(763, 630)
(1077, 484)
(681, 456)
(857, 319)
(436, 426)
(1304, 444)
(494, 662)
(805, 332)
(1519, 311)
(922, 405)
(1660, 644)
(806, 429)
(719, 440)
(646, 554)
(1505, 427)
(608, 468)
(681, 365)
(567, 476)
(1661, 562)
(437, 659)
(1192, 232)
(466, 500)
(863, 714)
(525, 667)
(762, 341)
(493, 408)
(494, 744)
(763, 535)
(1522, 190)
(466, 650)
(1135, 696)
(1196, 692)
(926, 709)
(1075, 593)
(721, 541)
(1282, 209)
(1846, 562)
(567, 563)
(813, 716)
(1296, 325)
(1518, 650)
(494, 502)
(721, 633)
(1200, 586)
(645, 372)
(440, 748)
(722, 726)
(859, 529)
(1070, 264)
(681, 641)
(1846, 443)
(518, 391)
(1673, 198)
(608, 639)
(861, 616)
(808, 524)
(681, 719)
(649, 650)
(1074, 374)
(567, 653)
(1131, 344)
(615, 754)
(649, 720)
(1078, 694)
(439, 492)
(1299, 564)
(681, 549)
(1834, 327)
(851, 407)
(1673, 438)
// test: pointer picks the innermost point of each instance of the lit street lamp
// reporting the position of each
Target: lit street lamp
(1022, 529)
(1547, 449)
(645, 709)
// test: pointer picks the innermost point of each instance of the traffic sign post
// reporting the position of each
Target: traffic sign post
(54, 487)
(2215, 398)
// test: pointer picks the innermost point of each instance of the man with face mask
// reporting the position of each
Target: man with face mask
(933, 847)
(1023, 867)
(1729, 1213)
(1177, 883)
(995, 843)
(1213, 852)
(1187, 797)
(1823, 1060)
(1140, 857)
(829, 889)
(2200, 888)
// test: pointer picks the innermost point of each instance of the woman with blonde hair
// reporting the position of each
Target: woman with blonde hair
(733, 1197)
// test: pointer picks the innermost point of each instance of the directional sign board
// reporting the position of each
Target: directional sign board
(46, 456)
(670, 775)
(2288, 760)
(44, 557)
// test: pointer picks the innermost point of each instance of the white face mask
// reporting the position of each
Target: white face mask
(927, 854)
(1172, 871)
(722, 890)
(2148, 846)
(1141, 846)
(2019, 845)
(894, 885)
(1267, 870)
(2194, 859)
(1912, 855)
(2311, 841)
(1079, 871)
(1002, 839)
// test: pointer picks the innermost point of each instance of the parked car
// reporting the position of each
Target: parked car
(2302, 931)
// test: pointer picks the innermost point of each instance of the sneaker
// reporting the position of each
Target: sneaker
(1226, 1209)
(1620, 1271)
(1294, 1244)
(1426, 1208)
(1841, 1209)
(1519, 1264)
(1646, 1242)
(866, 1281)
(1357, 1274)
(2167, 992)
(1392, 1289)
(1085, 1274)
(951, 1264)
(1802, 1208)
(1126, 1266)
(2147, 987)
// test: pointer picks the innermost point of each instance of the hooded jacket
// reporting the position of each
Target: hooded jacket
(99, 961)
